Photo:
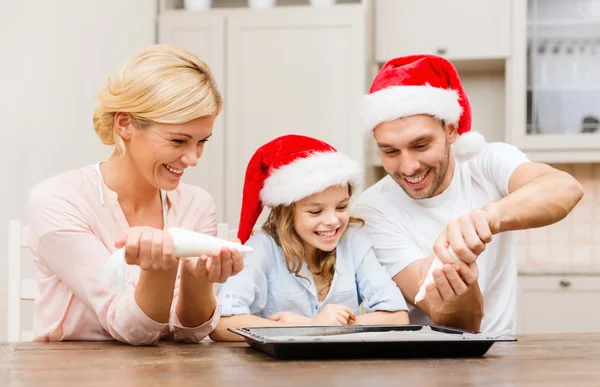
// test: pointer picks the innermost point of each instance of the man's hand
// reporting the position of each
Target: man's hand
(450, 282)
(454, 299)
(467, 236)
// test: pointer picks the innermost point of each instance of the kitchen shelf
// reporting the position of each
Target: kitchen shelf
(178, 5)
(564, 88)
(562, 23)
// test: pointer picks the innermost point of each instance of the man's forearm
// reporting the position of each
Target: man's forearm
(540, 202)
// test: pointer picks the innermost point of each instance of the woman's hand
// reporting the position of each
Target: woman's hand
(149, 248)
(217, 267)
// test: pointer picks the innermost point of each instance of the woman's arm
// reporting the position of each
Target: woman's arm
(195, 312)
(196, 302)
(63, 241)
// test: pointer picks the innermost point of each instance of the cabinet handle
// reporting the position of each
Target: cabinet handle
(441, 51)
(565, 283)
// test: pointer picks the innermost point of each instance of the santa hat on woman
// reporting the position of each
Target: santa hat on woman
(422, 84)
(288, 169)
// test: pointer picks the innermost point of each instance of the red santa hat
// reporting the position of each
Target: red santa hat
(422, 84)
(288, 169)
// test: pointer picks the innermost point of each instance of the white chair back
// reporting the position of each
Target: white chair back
(19, 288)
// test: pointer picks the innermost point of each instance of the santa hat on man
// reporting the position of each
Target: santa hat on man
(422, 84)
(288, 169)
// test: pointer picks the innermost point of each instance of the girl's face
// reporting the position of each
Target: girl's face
(162, 152)
(321, 219)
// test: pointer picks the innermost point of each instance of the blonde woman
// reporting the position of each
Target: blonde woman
(158, 113)
(312, 264)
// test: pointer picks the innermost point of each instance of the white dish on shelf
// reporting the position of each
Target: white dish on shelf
(539, 10)
(197, 5)
(589, 9)
(322, 3)
(261, 4)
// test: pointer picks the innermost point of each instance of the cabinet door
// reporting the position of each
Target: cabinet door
(204, 35)
(556, 304)
(554, 93)
(457, 29)
(299, 70)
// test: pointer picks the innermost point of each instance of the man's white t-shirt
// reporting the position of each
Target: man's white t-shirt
(404, 230)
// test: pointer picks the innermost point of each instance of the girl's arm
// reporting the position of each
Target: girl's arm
(383, 300)
(382, 318)
(243, 320)
(245, 295)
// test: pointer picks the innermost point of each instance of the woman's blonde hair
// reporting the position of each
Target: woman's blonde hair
(280, 226)
(160, 84)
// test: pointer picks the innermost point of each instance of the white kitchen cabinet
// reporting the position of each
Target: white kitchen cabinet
(296, 71)
(558, 304)
(555, 94)
(284, 70)
(458, 29)
(204, 35)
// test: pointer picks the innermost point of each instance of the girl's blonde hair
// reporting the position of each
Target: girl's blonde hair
(280, 226)
(160, 84)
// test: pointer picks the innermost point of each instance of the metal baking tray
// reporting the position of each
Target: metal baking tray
(374, 341)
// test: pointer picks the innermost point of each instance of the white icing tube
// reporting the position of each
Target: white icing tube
(187, 244)
(192, 244)
(436, 264)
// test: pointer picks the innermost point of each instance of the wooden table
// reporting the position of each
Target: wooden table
(535, 360)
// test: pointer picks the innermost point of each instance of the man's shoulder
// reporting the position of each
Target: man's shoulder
(494, 152)
(380, 206)
(376, 193)
(495, 163)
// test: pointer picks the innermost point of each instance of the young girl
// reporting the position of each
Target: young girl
(312, 264)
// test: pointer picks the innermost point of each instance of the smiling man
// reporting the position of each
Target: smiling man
(448, 190)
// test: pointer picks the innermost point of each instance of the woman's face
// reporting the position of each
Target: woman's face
(162, 152)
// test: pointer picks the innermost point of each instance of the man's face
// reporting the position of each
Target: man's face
(415, 151)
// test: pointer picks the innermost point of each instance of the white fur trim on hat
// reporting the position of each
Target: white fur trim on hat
(402, 101)
(468, 145)
(310, 175)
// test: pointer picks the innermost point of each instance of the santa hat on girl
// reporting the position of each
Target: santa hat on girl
(288, 169)
(422, 84)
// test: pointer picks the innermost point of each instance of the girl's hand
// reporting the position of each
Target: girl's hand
(290, 318)
(334, 314)
(149, 248)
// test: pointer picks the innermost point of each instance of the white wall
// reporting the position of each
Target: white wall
(54, 56)
(486, 91)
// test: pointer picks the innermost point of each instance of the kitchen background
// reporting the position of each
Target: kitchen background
(531, 69)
